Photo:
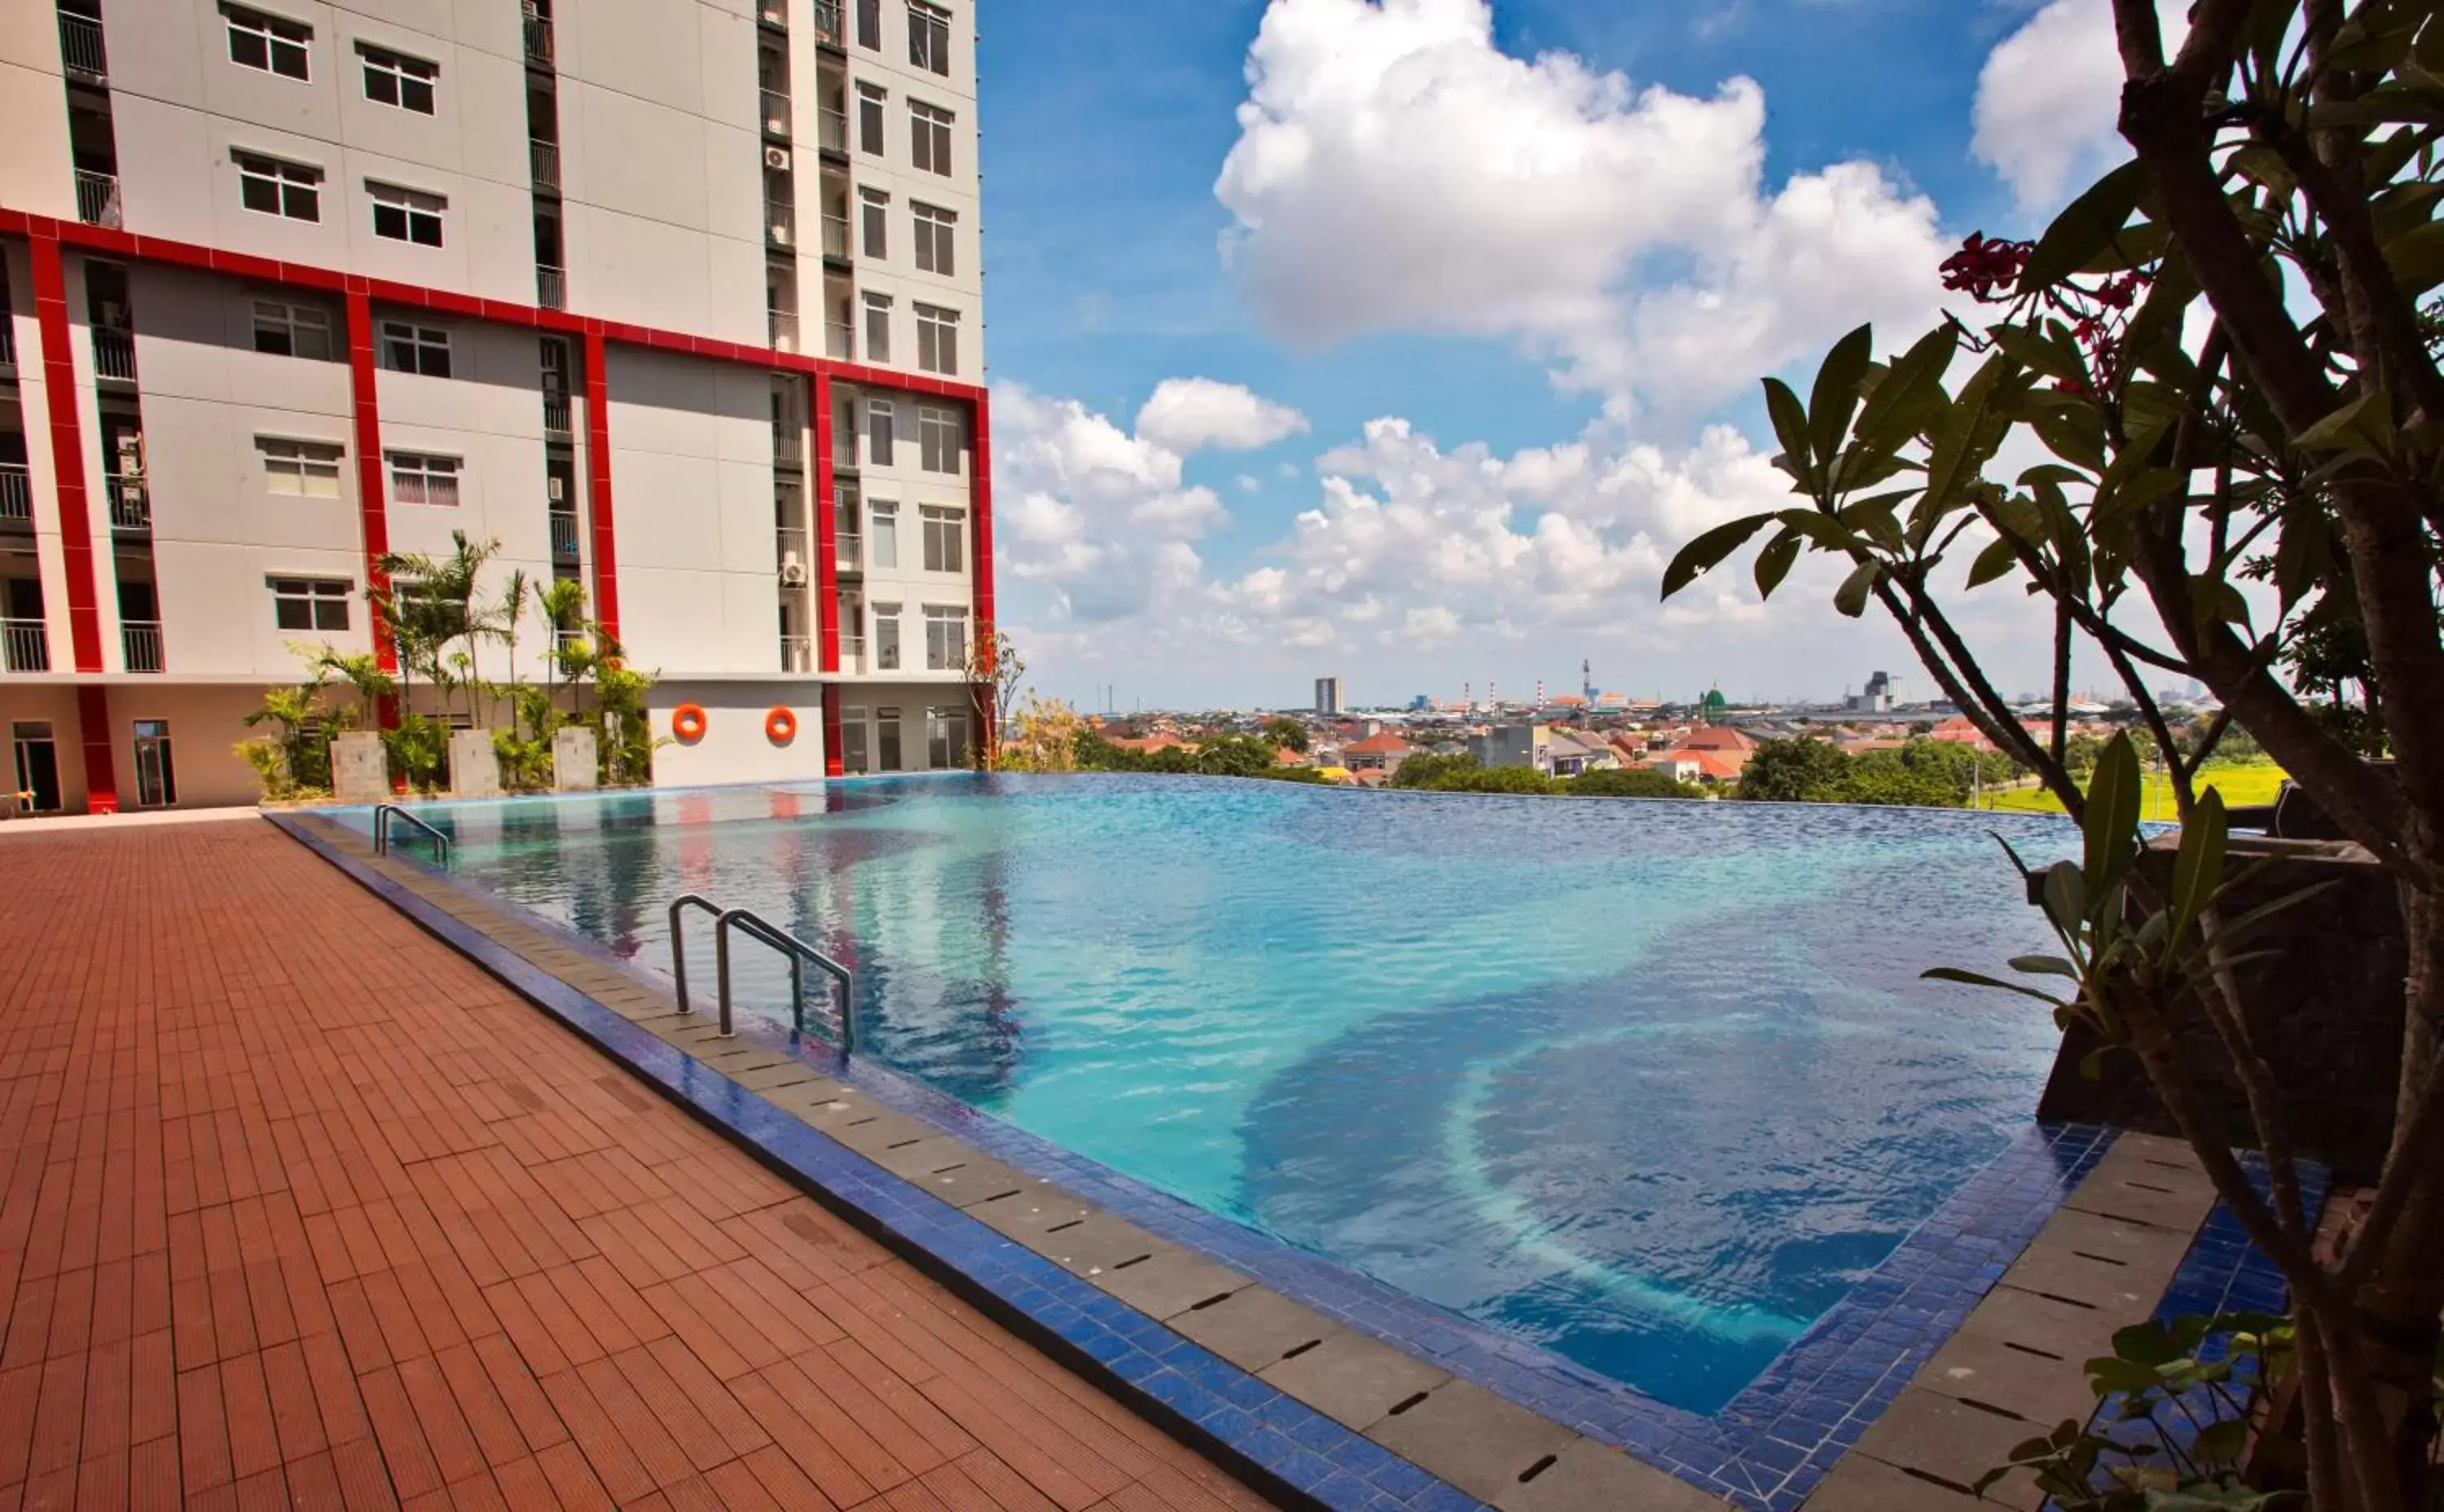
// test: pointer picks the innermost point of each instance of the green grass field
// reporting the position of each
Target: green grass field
(2241, 785)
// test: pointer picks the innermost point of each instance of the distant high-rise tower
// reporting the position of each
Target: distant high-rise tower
(1328, 695)
(1587, 680)
(1540, 692)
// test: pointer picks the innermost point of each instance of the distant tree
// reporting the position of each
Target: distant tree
(1237, 756)
(1284, 731)
(995, 670)
(1796, 770)
(1428, 770)
(1630, 781)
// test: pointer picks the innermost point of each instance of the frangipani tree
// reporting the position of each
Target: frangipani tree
(2224, 349)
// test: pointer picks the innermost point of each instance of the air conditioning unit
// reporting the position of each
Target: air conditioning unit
(777, 157)
(793, 574)
(131, 454)
(780, 234)
(554, 488)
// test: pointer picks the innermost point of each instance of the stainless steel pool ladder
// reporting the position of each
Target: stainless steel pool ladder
(755, 925)
(383, 816)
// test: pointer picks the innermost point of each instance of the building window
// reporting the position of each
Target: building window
(393, 79)
(937, 339)
(878, 425)
(311, 603)
(416, 349)
(929, 138)
(946, 533)
(271, 187)
(870, 103)
(292, 330)
(946, 738)
(886, 637)
(852, 734)
(869, 24)
(886, 740)
(404, 215)
(257, 41)
(878, 327)
(417, 478)
(882, 537)
(946, 638)
(874, 217)
(935, 229)
(929, 38)
(306, 470)
(940, 438)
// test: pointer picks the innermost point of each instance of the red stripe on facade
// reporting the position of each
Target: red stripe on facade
(68, 462)
(833, 766)
(93, 731)
(598, 485)
(827, 626)
(372, 508)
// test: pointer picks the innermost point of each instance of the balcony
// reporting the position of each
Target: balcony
(827, 23)
(850, 549)
(832, 130)
(774, 14)
(80, 47)
(551, 287)
(557, 419)
(130, 507)
(788, 449)
(789, 545)
(776, 115)
(852, 653)
(538, 40)
(566, 643)
(7, 346)
(16, 497)
(796, 655)
(140, 639)
(564, 535)
(836, 242)
(98, 197)
(24, 646)
(779, 225)
(783, 327)
(840, 340)
(542, 161)
(114, 354)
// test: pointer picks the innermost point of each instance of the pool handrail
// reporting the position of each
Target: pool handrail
(799, 952)
(386, 814)
(678, 941)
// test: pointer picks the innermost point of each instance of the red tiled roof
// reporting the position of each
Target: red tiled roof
(1385, 743)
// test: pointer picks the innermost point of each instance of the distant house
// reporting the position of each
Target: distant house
(1687, 764)
(1960, 731)
(1529, 746)
(1571, 754)
(1149, 743)
(1718, 737)
(1380, 752)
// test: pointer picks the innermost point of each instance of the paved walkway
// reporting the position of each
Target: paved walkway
(301, 1208)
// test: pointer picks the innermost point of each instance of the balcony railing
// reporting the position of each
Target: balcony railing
(114, 352)
(832, 130)
(80, 46)
(8, 345)
(780, 224)
(788, 545)
(25, 645)
(787, 447)
(142, 642)
(557, 419)
(776, 115)
(852, 653)
(551, 287)
(836, 236)
(850, 549)
(130, 507)
(538, 39)
(564, 534)
(827, 22)
(97, 199)
(783, 325)
(796, 655)
(840, 340)
(564, 642)
(16, 495)
(543, 161)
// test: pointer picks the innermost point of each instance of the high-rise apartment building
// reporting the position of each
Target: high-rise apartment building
(1328, 695)
(680, 298)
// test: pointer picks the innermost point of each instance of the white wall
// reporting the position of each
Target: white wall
(734, 747)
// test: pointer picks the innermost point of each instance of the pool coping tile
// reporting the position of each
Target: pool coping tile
(1765, 1451)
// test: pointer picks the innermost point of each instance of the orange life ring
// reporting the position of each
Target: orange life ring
(780, 726)
(687, 721)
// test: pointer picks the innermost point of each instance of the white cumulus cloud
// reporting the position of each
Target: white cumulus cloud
(1396, 171)
(2049, 96)
(1187, 414)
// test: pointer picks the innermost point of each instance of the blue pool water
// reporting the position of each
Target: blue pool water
(1651, 1085)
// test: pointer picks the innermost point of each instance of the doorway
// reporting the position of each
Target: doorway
(38, 764)
(157, 778)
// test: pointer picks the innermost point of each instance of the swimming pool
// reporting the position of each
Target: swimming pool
(1648, 1085)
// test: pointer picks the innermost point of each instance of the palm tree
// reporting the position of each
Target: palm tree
(432, 603)
(513, 608)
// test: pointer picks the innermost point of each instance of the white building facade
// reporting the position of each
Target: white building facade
(680, 298)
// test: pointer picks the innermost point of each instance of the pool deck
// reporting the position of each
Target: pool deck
(302, 1208)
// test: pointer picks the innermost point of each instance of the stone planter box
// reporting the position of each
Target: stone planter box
(474, 765)
(359, 769)
(574, 765)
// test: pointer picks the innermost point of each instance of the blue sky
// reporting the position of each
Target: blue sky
(1106, 124)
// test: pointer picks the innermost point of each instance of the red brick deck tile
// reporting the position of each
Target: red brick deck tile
(153, 1475)
(314, 1483)
(572, 1479)
(152, 1388)
(606, 1450)
(807, 1449)
(203, 1431)
(711, 1429)
(856, 1439)
(101, 1482)
(296, 1416)
(781, 1478)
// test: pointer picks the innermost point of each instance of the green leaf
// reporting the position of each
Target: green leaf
(1835, 398)
(1851, 598)
(2066, 892)
(2221, 1443)
(1773, 563)
(2045, 966)
(1791, 428)
(1707, 552)
(1961, 445)
(1993, 562)
(2111, 829)
(2085, 228)
(1908, 393)
(2364, 424)
(1949, 973)
(2150, 1343)
(2198, 870)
